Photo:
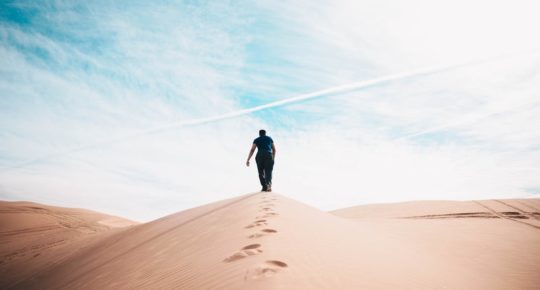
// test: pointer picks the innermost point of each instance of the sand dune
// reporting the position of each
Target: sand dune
(269, 241)
(34, 237)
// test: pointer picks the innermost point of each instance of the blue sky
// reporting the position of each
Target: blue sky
(142, 110)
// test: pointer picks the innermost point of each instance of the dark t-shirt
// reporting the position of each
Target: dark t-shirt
(264, 144)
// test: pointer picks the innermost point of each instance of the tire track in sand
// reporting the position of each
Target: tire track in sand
(504, 216)
(525, 213)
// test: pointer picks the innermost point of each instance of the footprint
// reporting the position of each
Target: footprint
(236, 256)
(257, 223)
(277, 263)
(265, 270)
(267, 215)
(264, 216)
(256, 235)
(263, 233)
(246, 251)
(252, 246)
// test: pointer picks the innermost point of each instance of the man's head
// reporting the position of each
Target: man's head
(262, 132)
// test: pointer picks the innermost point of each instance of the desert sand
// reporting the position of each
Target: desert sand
(266, 240)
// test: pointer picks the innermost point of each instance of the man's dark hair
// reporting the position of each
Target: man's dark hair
(262, 132)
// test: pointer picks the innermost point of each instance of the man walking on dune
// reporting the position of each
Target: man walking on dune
(266, 152)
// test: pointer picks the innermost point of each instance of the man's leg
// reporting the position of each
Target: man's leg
(268, 167)
(260, 169)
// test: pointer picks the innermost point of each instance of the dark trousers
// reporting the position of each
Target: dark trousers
(265, 165)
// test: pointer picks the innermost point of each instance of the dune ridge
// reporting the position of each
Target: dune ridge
(268, 241)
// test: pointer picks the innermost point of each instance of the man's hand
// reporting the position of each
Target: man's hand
(253, 146)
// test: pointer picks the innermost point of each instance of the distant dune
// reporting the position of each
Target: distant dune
(268, 241)
(502, 208)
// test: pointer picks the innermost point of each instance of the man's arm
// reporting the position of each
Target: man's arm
(251, 153)
(273, 151)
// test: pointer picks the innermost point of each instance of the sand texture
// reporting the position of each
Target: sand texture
(268, 241)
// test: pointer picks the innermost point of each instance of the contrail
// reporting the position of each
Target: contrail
(303, 97)
(317, 94)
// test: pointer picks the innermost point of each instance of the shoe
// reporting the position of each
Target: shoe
(269, 188)
(264, 188)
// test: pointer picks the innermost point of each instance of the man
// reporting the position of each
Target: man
(266, 152)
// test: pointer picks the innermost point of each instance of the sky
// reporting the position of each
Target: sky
(149, 108)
